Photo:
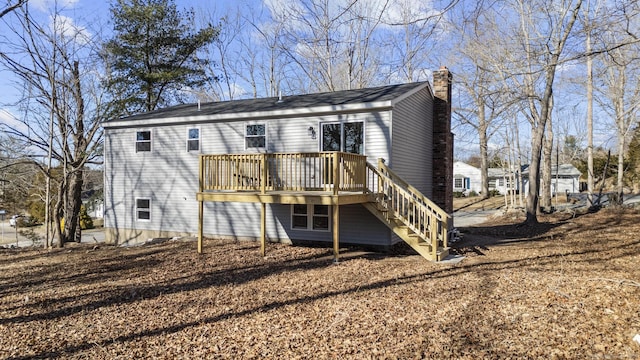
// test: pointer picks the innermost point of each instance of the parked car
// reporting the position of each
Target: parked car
(14, 219)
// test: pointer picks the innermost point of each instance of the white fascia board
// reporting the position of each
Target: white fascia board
(262, 115)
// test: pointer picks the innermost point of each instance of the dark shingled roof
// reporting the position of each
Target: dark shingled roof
(383, 93)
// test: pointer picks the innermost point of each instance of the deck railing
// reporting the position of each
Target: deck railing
(331, 172)
(320, 171)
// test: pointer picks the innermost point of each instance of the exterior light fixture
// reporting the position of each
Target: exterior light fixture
(312, 132)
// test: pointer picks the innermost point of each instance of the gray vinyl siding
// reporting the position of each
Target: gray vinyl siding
(168, 176)
(357, 226)
(412, 142)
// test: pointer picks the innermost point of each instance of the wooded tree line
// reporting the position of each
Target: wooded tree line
(524, 72)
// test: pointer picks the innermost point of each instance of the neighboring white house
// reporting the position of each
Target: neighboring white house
(466, 178)
(564, 179)
(152, 169)
(501, 180)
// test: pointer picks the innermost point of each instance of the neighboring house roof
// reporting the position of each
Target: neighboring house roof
(563, 170)
(347, 100)
(462, 169)
(497, 172)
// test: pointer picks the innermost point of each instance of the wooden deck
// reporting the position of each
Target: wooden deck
(324, 178)
(288, 197)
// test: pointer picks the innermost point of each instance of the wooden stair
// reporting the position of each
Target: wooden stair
(408, 213)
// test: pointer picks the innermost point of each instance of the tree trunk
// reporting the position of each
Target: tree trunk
(590, 186)
(59, 213)
(484, 153)
(620, 183)
(67, 211)
(534, 175)
(547, 151)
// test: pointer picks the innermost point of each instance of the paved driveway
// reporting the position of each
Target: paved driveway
(472, 217)
(8, 235)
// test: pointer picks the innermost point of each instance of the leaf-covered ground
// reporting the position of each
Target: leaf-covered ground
(569, 289)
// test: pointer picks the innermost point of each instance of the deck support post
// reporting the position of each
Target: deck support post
(200, 224)
(263, 229)
(336, 231)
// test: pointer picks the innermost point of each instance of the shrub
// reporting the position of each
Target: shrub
(458, 194)
(494, 192)
(472, 193)
(85, 220)
(27, 221)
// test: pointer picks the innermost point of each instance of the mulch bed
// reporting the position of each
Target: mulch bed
(569, 288)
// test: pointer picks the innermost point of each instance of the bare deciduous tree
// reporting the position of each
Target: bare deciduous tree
(11, 7)
(621, 87)
(542, 35)
(62, 105)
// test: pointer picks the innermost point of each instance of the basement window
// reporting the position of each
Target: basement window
(143, 209)
(310, 217)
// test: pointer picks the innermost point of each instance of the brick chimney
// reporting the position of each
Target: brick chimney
(442, 140)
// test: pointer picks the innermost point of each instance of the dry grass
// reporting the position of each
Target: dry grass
(570, 289)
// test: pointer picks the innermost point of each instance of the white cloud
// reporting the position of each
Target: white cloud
(8, 120)
(46, 5)
(406, 11)
(66, 27)
(394, 12)
(237, 91)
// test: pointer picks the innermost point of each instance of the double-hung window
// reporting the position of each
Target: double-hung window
(193, 140)
(310, 217)
(458, 183)
(143, 209)
(143, 141)
(255, 136)
(346, 137)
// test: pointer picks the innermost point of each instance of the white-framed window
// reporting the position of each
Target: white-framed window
(143, 141)
(193, 140)
(143, 209)
(342, 136)
(255, 136)
(458, 183)
(311, 217)
(492, 183)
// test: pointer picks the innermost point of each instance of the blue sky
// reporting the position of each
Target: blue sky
(93, 17)
(86, 16)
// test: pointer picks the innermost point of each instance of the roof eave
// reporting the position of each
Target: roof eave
(248, 116)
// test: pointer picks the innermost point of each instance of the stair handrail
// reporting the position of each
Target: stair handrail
(415, 192)
(418, 199)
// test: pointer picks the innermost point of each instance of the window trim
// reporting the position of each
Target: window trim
(342, 123)
(137, 210)
(455, 181)
(255, 136)
(199, 139)
(150, 141)
(310, 215)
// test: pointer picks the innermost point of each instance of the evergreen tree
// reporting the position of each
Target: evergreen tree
(153, 54)
(633, 157)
